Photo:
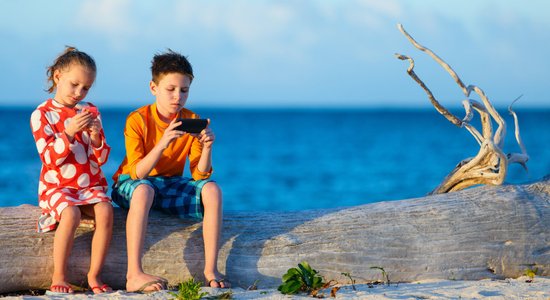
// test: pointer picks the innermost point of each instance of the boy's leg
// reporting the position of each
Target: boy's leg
(103, 215)
(211, 229)
(136, 228)
(62, 246)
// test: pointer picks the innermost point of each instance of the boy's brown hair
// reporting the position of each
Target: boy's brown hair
(170, 62)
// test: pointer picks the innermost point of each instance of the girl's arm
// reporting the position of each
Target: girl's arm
(100, 148)
(53, 147)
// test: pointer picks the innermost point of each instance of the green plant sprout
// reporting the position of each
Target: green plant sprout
(531, 273)
(189, 290)
(348, 275)
(301, 279)
(385, 275)
(224, 295)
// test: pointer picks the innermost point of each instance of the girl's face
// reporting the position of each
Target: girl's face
(72, 84)
(171, 92)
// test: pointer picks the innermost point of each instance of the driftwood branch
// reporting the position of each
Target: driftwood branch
(490, 165)
(483, 232)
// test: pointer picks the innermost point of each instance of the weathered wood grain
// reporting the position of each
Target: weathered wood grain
(483, 232)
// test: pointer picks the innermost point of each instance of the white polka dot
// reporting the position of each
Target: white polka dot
(94, 168)
(79, 153)
(41, 187)
(47, 157)
(40, 145)
(59, 146)
(43, 204)
(68, 171)
(62, 206)
(35, 120)
(71, 199)
(48, 129)
(55, 198)
(86, 195)
(83, 180)
(52, 117)
(59, 161)
(49, 192)
(57, 104)
(85, 137)
(67, 121)
(103, 156)
(51, 177)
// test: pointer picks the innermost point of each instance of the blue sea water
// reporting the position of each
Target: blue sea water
(295, 159)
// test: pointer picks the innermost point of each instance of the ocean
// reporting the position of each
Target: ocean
(297, 159)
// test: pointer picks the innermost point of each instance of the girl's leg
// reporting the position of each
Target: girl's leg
(103, 215)
(136, 228)
(211, 230)
(62, 246)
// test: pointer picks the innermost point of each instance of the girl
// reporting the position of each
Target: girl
(71, 144)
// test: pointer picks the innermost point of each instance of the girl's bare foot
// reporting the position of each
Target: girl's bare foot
(97, 286)
(60, 285)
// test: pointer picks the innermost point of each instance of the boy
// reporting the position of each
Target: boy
(151, 174)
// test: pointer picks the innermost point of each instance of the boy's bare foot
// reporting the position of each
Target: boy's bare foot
(216, 280)
(97, 286)
(145, 283)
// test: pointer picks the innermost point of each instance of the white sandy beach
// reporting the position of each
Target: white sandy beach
(436, 289)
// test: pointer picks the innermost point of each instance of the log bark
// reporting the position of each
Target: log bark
(483, 232)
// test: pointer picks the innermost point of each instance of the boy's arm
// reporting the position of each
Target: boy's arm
(201, 155)
(144, 166)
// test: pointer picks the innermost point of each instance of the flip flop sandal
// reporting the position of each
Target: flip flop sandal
(102, 288)
(218, 281)
(52, 293)
(148, 284)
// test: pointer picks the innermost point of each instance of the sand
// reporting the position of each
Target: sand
(435, 289)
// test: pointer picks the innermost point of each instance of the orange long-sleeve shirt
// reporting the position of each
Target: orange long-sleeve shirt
(143, 130)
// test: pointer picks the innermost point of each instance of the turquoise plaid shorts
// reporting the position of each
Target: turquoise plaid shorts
(174, 195)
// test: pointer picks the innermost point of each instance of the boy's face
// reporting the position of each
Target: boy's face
(171, 92)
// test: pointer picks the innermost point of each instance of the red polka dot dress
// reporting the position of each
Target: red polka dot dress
(71, 173)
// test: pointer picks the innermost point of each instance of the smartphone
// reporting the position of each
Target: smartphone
(192, 125)
(92, 110)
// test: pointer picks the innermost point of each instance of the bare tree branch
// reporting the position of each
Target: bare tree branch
(490, 165)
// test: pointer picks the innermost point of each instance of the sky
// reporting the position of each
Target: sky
(284, 53)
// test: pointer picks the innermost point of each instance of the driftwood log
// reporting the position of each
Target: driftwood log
(483, 232)
(490, 164)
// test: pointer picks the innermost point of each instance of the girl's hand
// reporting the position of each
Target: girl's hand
(170, 134)
(79, 122)
(95, 131)
(206, 137)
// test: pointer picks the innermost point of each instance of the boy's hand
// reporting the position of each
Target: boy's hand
(79, 122)
(170, 134)
(206, 137)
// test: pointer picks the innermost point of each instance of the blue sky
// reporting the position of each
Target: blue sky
(284, 53)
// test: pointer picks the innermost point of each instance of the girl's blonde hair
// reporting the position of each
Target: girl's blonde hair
(64, 60)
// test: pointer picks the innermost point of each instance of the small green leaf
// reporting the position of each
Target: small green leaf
(291, 273)
(291, 287)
